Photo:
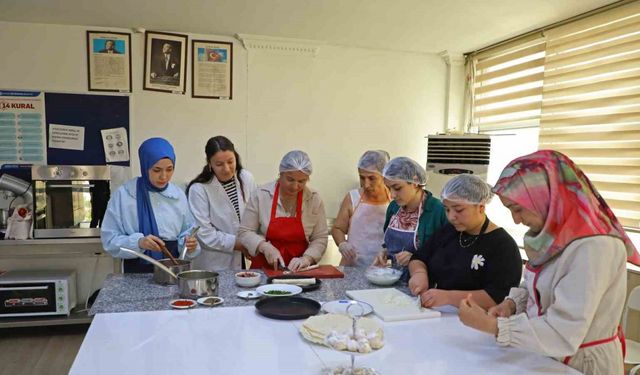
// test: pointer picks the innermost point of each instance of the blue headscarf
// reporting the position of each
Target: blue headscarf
(150, 152)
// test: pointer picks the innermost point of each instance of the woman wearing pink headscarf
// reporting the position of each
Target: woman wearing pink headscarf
(574, 287)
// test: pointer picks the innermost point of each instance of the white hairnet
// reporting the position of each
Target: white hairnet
(373, 161)
(296, 160)
(467, 188)
(405, 169)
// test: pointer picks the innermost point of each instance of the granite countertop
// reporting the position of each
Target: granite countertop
(138, 292)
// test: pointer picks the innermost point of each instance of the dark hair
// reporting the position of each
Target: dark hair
(214, 145)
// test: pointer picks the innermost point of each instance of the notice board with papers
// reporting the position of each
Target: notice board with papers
(77, 120)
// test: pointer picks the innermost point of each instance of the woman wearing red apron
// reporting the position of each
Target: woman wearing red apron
(285, 223)
(574, 285)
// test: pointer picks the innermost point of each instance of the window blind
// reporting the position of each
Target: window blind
(591, 103)
(507, 85)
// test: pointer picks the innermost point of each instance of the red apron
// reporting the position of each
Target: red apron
(284, 233)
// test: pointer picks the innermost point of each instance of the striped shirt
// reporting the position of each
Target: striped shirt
(232, 193)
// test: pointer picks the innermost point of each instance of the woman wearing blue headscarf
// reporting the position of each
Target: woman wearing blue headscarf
(149, 212)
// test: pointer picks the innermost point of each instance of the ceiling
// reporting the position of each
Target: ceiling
(401, 25)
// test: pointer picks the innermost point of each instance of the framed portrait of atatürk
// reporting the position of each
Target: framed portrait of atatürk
(165, 62)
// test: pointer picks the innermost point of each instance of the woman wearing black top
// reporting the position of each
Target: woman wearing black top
(470, 255)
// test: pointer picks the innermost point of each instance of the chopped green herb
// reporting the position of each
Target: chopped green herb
(277, 292)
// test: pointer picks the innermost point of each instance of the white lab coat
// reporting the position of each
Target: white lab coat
(216, 216)
(581, 294)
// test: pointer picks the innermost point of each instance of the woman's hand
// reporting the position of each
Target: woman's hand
(381, 259)
(299, 263)
(272, 254)
(474, 316)
(418, 283)
(403, 258)
(191, 243)
(348, 252)
(504, 309)
(435, 297)
(238, 246)
(151, 242)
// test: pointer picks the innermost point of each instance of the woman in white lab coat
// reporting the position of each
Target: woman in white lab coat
(217, 198)
(574, 288)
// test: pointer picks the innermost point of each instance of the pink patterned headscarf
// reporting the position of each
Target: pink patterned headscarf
(551, 185)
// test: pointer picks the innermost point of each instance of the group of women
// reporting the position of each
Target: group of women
(451, 253)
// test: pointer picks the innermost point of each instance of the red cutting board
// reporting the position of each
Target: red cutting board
(323, 272)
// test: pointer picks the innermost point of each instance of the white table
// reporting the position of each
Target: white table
(236, 340)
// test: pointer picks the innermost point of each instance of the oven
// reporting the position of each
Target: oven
(69, 201)
(33, 293)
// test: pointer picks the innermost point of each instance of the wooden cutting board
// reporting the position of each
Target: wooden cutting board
(323, 272)
(392, 305)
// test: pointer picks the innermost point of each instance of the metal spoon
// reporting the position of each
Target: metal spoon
(183, 253)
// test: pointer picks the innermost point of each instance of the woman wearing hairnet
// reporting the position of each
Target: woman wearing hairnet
(413, 216)
(470, 255)
(358, 227)
(284, 223)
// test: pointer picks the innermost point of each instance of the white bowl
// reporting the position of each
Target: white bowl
(248, 278)
(278, 290)
(382, 276)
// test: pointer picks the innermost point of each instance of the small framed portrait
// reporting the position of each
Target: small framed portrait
(109, 61)
(211, 69)
(165, 62)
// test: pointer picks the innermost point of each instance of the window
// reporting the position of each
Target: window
(579, 84)
(507, 85)
(507, 145)
(591, 103)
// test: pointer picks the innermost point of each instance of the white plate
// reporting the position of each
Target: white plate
(193, 303)
(248, 294)
(292, 289)
(339, 306)
(219, 300)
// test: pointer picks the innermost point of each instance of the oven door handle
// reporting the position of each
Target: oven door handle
(70, 186)
(24, 288)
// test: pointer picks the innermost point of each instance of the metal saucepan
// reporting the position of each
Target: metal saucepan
(196, 283)
(162, 277)
(191, 284)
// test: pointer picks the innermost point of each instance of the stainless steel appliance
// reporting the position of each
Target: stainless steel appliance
(32, 293)
(69, 201)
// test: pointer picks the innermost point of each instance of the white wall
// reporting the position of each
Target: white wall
(334, 105)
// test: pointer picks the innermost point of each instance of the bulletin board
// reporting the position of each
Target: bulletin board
(92, 112)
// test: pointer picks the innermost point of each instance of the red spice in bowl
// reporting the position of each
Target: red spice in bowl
(182, 303)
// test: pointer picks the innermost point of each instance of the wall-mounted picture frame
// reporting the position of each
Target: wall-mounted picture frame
(211, 69)
(165, 62)
(109, 61)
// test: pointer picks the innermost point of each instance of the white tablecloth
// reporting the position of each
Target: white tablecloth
(236, 340)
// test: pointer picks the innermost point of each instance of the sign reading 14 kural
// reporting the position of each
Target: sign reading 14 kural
(22, 132)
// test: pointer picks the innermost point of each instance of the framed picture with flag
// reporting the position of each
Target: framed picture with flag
(211, 69)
